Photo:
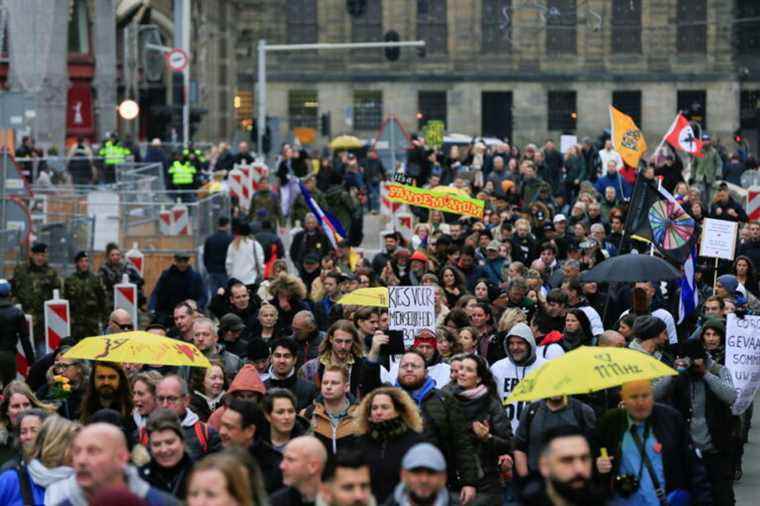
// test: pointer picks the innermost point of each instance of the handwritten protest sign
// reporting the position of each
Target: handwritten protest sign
(410, 309)
(436, 199)
(743, 358)
(718, 238)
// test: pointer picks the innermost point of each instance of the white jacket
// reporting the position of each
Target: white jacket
(242, 263)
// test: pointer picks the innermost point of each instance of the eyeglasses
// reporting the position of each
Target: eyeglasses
(169, 399)
(62, 366)
(124, 326)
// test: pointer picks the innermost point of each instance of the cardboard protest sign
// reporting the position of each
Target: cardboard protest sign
(410, 309)
(449, 202)
(743, 358)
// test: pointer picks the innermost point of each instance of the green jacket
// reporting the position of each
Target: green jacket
(87, 303)
(33, 285)
(575, 168)
(266, 199)
(341, 205)
(708, 168)
(299, 209)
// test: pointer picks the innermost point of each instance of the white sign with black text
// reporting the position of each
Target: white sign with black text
(743, 358)
(410, 309)
(718, 238)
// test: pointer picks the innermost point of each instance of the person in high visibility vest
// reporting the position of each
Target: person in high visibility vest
(182, 174)
(113, 154)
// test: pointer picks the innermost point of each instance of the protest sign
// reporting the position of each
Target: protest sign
(566, 142)
(446, 201)
(718, 238)
(410, 309)
(743, 358)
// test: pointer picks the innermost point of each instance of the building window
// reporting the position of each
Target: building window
(432, 25)
(626, 26)
(496, 26)
(79, 28)
(628, 102)
(303, 108)
(562, 111)
(496, 114)
(692, 26)
(368, 28)
(368, 109)
(749, 112)
(747, 32)
(561, 27)
(431, 106)
(693, 105)
(302, 22)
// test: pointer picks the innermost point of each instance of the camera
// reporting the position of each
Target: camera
(626, 485)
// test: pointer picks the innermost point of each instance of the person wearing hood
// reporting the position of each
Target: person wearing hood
(283, 425)
(727, 286)
(173, 393)
(703, 392)
(488, 426)
(282, 373)
(170, 464)
(521, 359)
(577, 330)
(176, 284)
(423, 479)
(247, 385)
(100, 460)
(49, 463)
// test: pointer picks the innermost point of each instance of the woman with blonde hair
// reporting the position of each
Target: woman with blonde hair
(224, 477)
(388, 423)
(17, 397)
(51, 462)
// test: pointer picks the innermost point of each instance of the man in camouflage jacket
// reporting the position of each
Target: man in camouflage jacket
(87, 299)
(33, 283)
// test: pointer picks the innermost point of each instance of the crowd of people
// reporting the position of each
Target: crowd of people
(304, 402)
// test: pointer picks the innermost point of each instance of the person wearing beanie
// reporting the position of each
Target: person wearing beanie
(87, 299)
(13, 328)
(650, 334)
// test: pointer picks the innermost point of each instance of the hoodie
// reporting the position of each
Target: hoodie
(247, 379)
(68, 492)
(508, 373)
(401, 497)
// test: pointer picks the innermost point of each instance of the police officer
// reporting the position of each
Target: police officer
(33, 283)
(12, 328)
(113, 154)
(87, 299)
(182, 174)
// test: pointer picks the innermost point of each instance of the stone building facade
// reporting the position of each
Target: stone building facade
(510, 68)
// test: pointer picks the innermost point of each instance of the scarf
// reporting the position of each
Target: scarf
(421, 392)
(387, 430)
(474, 393)
(43, 476)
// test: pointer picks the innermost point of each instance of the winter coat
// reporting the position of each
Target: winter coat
(171, 480)
(305, 391)
(246, 379)
(39, 478)
(269, 457)
(245, 262)
(174, 286)
(339, 437)
(341, 205)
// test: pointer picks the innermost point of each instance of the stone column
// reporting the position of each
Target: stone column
(104, 83)
(38, 31)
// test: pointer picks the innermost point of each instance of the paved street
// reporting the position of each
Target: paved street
(749, 486)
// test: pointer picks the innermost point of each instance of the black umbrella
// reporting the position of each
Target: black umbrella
(631, 268)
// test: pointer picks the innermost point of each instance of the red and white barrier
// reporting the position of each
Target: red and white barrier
(22, 361)
(136, 259)
(753, 203)
(240, 187)
(125, 297)
(259, 173)
(181, 217)
(165, 222)
(404, 224)
(57, 321)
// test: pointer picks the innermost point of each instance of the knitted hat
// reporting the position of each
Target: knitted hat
(648, 327)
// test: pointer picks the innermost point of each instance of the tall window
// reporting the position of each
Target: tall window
(79, 28)
(368, 28)
(563, 114)
(747, 32)
(749, 112)
(432, 25)
(628, 102)
(431, 106)
(302, 21)
(303, 108)
(626, 26)
(693, 104)
(561, 27)
(495, 26)
(368, 109)
(692, 26)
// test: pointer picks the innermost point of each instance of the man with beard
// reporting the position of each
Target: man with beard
(346, 481)
(108, 388)
(423, 479)
(444, 424)
(565, 465)
(391, 240)
(309, 240)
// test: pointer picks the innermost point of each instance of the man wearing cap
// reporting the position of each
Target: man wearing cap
(309, 270)
(650, 336)
(494, 263)
(33, 283)
(309, 241)
(12, 328)
(233, 335)
(177, 283)
(87, 299)
(418, 267)
(423, 479)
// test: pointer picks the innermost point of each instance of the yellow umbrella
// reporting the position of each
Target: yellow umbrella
(345, 142)
(375, 297)
(588, 369)
(138, 347)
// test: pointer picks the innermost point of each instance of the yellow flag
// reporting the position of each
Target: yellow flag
(627, 138)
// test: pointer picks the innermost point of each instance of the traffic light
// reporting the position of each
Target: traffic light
(738, 137)
(324, 124)
(392, 53)
(356, 7)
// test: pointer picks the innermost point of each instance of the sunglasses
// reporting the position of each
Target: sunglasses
(125, 326)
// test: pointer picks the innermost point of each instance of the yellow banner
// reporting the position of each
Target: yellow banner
(627, 138)
(436, 199)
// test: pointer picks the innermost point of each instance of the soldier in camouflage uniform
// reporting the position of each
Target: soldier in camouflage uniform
(300, 208)
(265, 198)
(33, 283)
(87, 299)
(112, 272)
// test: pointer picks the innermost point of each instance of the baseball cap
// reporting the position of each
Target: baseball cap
(493, 245)
(560, 217)
(231, 321)
(5, 288)
(424, 456)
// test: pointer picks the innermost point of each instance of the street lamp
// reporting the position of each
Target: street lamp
(129, 109)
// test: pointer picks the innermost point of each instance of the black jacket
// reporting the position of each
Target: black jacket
(385, 460)
(12, 328)
(171, 480)
(305, 391)
(174, 286)
(215, 252)
(269, 458)
(683, 470)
